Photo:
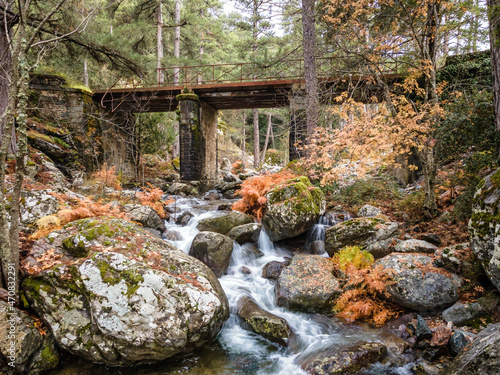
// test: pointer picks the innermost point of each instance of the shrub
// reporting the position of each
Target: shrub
(237, 167)
(107, 176)
(366, 191)
(353, 255)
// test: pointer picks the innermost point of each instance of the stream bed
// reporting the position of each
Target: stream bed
(236, 350)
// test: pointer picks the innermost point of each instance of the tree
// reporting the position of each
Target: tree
(494, 28)
(372, 35)
(309, 38)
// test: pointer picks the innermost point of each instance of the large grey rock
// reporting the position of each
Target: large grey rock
(269, 326)
(213, 249)
(146, 216)
(245, 233)
(484, 226)
(479, 357)
(417, 284)
(368, 211)
(371, 234)
(292, 209)
(22, 345)
(223, 224)
(307, 284)
(348, 360)
(133, 299)
(415, 246)
(272, 270)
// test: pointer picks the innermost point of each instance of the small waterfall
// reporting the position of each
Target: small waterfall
(315, 242)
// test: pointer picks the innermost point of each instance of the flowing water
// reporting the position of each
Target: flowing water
(238, 351)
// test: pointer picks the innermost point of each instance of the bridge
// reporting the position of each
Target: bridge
(200, 91)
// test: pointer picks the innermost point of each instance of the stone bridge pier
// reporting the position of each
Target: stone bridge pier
(197, 138)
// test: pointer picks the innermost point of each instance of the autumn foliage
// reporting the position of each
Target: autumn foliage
(107, 176)
(254, 190)
(365, 285)
(81, 209)
(152, 197)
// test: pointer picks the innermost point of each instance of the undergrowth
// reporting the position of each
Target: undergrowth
(107, 176)
(254, 190)
(366, 191)
(152, 197)
(361, 299)
(80, 209)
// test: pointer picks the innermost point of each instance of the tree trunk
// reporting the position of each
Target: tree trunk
(309, 42)
(5, 68)
(494, 21)
(266, 142)
(256, 138)
(243, 141)
(159, 43)
(177, 37)
(85, 72)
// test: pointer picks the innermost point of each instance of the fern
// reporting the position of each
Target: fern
(152, 197)
(107, 176)
(366, 284)
(254, 190)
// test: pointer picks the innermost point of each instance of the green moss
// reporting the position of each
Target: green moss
(49, 357)
(33, 134)
(106, 275)
(480, 222)
(187, 96)
(355, 256)
(495, 179)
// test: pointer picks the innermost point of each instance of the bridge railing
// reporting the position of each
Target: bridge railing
(281, 70)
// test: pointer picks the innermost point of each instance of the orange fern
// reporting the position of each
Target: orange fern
(108, 177)
(254, 190)
(152, 197)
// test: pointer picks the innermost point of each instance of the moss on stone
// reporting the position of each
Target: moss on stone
(187, 96)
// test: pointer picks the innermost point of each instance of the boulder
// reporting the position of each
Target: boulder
(418, 285)
(225, 165)
(22, 345)
(213, 249)
(459, 340)
(133, 299)
(211, 196)
(343, 360)
(292, 209)
(263, 323)
(245, 233)
(432, 238)
(463, 313)
(460, 259)
(229, 189)
(371, 234)
(307, 284)
(484, 226)
(146, 216)
(179, 188)
(184, 218)
(272, 270)
(223, 224)
(368, 211)
(415, 246)
(481, 356)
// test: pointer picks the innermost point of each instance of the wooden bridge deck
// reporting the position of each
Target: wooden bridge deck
(234, 95)
(243, 85)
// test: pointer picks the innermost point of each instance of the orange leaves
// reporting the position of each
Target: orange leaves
(362, 292)
(47, 261)
(152, 197)
(108, 177)
(254, 190)
(82, 209)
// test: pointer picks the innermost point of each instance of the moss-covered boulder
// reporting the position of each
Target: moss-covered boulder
(22, 346)
(348, 360)
(133, 299)
(307, 284)
(146, 216)
(481, 356)
(292, 208)
(223, 224)
(484, 226)
(417, 284)
(265, 324)
(213, 249)
(369, 233)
